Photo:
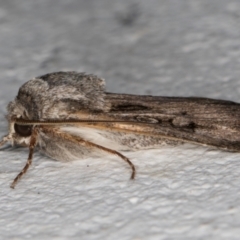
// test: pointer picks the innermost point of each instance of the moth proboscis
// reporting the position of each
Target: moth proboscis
(68, 115)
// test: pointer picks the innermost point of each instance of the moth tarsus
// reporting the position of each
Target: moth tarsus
(68, 116)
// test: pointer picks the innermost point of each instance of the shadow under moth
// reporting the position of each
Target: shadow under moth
(68, 116)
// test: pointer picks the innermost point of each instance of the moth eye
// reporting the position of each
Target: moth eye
(23, 130)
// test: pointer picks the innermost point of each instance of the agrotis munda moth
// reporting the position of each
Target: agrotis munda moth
(68, 115)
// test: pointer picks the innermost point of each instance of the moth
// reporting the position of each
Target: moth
(69, 115)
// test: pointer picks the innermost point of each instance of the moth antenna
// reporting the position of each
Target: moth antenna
(70, 121)
(32, 145)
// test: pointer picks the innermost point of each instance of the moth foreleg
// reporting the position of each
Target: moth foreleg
(81, 142)
(33, 141)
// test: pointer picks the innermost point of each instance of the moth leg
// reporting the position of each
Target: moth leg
(80, 141)
(32, 145)
(118, 154)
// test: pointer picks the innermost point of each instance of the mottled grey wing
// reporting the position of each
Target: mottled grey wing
(199, 120)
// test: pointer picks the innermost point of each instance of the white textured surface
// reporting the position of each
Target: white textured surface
(168, 48)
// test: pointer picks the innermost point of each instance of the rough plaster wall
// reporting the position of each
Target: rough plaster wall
(167, 47)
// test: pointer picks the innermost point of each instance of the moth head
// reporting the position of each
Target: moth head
(22, 107)
(18, 134)
(54, 96)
